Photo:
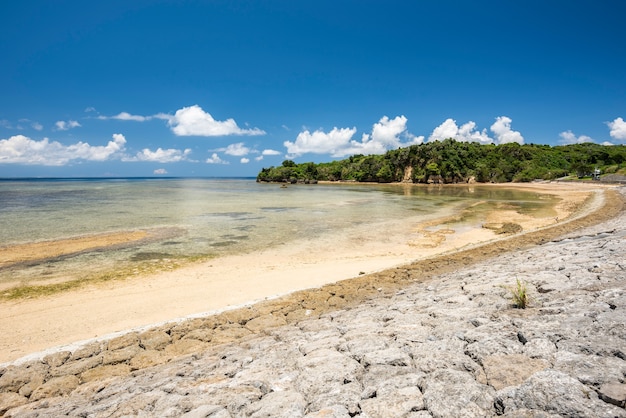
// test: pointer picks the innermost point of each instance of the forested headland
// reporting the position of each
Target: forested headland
(450, 161)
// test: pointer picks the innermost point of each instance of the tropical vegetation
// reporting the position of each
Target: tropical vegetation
(451, 161)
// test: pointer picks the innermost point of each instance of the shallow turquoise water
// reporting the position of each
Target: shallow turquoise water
(212, 216)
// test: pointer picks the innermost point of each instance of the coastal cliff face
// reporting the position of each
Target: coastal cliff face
(408, 342)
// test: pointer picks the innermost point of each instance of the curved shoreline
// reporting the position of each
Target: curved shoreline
(436, 337)
(49, 331)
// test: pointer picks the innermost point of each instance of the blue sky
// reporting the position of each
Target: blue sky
(223, 88)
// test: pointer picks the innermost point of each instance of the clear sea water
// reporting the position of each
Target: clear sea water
(213, 217)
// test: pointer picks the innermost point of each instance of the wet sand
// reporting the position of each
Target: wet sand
(29, 326)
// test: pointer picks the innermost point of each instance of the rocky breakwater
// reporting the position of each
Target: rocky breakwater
(438, 338)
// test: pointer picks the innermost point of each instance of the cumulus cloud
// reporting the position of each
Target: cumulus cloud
(465, 133)
(64, 126)
(320, 142)
(215, 159)
(193, 121)
(162, 155)
(568, 137)
(160, 171)
(618, 129)
(386, 134)
(245, 160)
(20, 149)
(504, 134)
(238, 150)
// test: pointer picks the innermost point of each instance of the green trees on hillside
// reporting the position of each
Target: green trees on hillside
(450, 161)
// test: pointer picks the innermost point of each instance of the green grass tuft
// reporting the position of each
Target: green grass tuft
(519, 294)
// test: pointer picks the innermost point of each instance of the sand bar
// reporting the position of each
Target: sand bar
(29, 326)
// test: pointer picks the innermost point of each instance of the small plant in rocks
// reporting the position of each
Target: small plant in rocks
(519, 294)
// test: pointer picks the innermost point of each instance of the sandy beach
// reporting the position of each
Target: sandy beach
(36, 325)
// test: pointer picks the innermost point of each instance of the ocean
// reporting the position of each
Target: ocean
(199, 218)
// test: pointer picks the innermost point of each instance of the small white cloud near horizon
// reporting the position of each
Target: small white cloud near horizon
(568, 137)
(193, 121)
(20, 149)
(160, 171)
(618, 129)
(62, 125)
(270, 152)
(215, 159)
(386, 134)
(161, 155)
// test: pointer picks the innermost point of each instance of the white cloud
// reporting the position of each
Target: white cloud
(448, 129)
(259, 158)
(215, 159)
(320, 142)
(245, 160)
(504, 134)
(270, 152)
(386, 134)
(568, 137)
(193, 121)
(160, 171)
(20, 149)
(162, 155)
(618, 129)
(64, 126)
(128, 116)
(37, 126)
(238, 150)
(465, 133)
(607, 143)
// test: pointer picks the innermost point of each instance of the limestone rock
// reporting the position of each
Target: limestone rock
(558, 393)
(451, 393)
(278, 404)
(57, 359)
(510, 369)
(614, 393)
(154, 340)
(57, 386)
(11, 400)
(103, 372)
(123, 341)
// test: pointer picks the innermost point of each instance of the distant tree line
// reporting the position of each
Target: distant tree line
(450, 161)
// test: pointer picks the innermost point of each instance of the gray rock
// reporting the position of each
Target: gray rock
(278, 404)
(451, 393)
(614, 393)
(510, 369)
(557, 393)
